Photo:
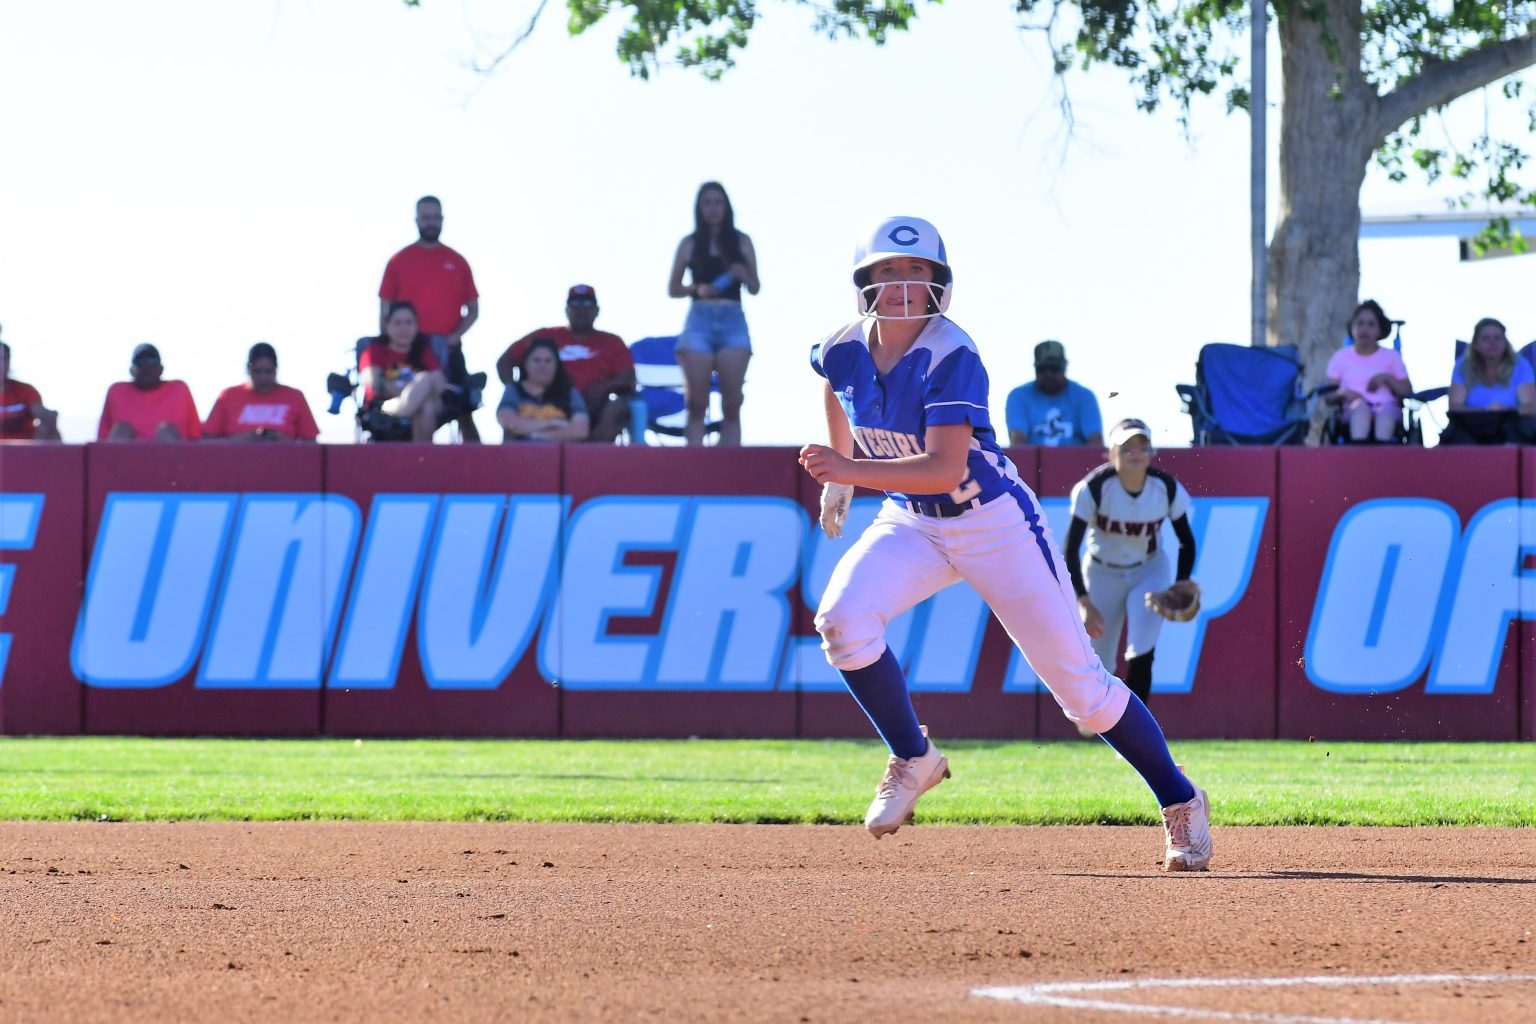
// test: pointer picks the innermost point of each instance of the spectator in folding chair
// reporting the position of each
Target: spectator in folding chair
(1493, 392)
(1372, 380)
(402, 379)
(147, 407)
(261, 409)
(23, 417)
(438, 283)
(542, 404)
(599, 363)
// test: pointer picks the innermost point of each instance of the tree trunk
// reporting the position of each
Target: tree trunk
(1327, 136)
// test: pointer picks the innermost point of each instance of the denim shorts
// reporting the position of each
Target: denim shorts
(713, 326)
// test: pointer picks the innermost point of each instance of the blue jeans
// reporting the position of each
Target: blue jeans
(713, 326)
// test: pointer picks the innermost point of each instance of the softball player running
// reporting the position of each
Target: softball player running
(907, 385)
(1128, 581)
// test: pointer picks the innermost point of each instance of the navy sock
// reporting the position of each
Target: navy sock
(1138, 738)
(881, 691)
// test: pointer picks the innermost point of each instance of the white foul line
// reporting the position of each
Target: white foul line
(1046, 994)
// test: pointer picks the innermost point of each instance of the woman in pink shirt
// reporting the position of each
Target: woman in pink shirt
(1372, 380)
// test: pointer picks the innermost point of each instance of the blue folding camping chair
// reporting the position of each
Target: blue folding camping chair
(660, 382)
(1247, 395)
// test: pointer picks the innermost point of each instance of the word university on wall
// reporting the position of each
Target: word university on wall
(266, 591)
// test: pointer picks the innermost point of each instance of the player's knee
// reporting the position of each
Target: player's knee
(852, 639)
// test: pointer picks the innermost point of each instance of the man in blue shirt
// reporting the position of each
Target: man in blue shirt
(1053, 411)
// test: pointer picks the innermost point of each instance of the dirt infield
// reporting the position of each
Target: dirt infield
(463, 922)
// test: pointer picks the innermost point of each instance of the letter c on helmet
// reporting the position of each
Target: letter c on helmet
(904, 234)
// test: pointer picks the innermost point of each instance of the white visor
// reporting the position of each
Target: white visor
(1127, 429)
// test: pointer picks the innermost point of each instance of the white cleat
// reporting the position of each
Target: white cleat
(904, 781)
(1187, 832)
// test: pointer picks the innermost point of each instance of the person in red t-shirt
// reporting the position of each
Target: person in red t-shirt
(599, 363)
(401, 375)
(23, 416)
(438, 282)
(148, 408)
(262, 409)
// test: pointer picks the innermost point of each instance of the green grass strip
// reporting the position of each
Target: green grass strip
(771, 781)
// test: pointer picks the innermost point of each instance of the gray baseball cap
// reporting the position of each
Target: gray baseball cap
(1050, 353)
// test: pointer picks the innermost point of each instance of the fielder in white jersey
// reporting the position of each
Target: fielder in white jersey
(906, 385)
(1121, 507)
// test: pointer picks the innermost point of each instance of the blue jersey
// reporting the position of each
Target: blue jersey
(939, 382)
(1484, 395)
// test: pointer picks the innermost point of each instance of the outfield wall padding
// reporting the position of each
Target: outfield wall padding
(1374, 543)
(42, 566)
(568, 590)
(447, 522)
(209, 486)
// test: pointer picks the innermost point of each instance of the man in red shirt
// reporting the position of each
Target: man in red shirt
(599, 363)
(147, 408)
(22, 414)
(438, 282)
(261, 409)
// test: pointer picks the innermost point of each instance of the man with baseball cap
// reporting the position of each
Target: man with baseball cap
(599, 363)
(1053, 411)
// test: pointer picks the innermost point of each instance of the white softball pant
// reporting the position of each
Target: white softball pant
(1120, 596)
(1005, 550)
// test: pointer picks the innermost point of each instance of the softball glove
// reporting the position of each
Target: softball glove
(1179, 603)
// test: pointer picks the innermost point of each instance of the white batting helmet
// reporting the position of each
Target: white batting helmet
(902, 236)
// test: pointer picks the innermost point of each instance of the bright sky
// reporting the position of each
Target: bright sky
(205, 176)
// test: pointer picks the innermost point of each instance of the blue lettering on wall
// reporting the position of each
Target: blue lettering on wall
(1490, 588)
(150, 586)
(1376, 619)
(383, 598)
(482, 599)
(729, 612)
(575, 649)
(248, 591)
(282, 590)
(20, 515)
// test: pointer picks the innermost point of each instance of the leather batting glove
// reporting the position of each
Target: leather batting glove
(835, 499)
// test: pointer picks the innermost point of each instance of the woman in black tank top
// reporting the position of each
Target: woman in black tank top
(719, 261)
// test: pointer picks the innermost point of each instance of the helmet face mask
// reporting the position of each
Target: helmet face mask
(894, 238)
(871, 294)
